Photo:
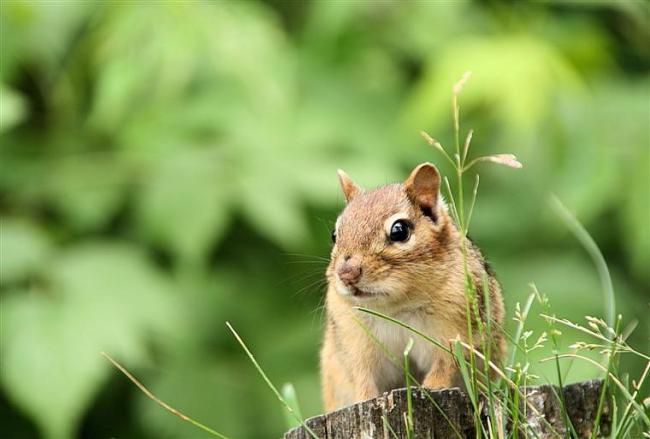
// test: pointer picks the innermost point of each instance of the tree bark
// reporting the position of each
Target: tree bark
(452, 415)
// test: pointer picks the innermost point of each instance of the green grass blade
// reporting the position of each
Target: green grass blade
(594, 252)
(289, 395)
(389, 428)
(603, 391)
(460, 358)
(626, 413)
(160, 402)
(396, 363)
(520, 329)
(640, 410)
(404, 325)
(269, 383)
(409, 402)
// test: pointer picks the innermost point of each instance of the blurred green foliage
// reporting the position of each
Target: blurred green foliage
(167, 167)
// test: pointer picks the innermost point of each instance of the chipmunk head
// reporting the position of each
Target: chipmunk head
(389, 241)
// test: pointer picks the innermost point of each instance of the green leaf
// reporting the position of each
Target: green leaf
(24, 247)
(173, 55)
(186, 204)
(14, 108)
(98, 297)
(503, 67)
(39, 32)
(87, 188)
(272, 206)
(51, 366)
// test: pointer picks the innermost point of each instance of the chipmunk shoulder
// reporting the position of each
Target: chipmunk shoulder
(397, 250)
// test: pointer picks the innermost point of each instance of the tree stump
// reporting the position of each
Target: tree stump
(452, 415)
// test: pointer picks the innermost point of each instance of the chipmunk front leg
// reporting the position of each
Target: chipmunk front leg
(365, 388)
(347, 374)
(442, 372)
(340, 390)
(363, 370)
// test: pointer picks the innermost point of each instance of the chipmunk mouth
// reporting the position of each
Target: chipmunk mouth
(357, 292)
(353, 291)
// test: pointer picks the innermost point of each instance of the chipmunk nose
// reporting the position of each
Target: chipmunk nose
(349, 272)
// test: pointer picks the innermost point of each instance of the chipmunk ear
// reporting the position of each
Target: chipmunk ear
(350, 189)
(422, 188)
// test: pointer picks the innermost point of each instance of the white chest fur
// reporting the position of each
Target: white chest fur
(394, 339)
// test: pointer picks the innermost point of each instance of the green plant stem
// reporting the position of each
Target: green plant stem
(569, 324)
(515, 405)
(567, 421)
(487, 347)
(462, 365)
(520, 326)
(612, 377)
(409, 402)
(471, 206)
(624, 419)
(603, 390)
(460, 215)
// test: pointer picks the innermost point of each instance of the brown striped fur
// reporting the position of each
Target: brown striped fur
(419, 281)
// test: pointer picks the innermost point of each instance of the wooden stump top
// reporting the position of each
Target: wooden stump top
(452, 414)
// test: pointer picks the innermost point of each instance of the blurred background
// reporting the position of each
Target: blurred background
(165, 168)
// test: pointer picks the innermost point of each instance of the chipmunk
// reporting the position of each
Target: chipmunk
(397, 250)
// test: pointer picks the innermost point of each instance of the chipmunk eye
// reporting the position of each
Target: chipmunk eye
(400, 231)
(334, 236)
